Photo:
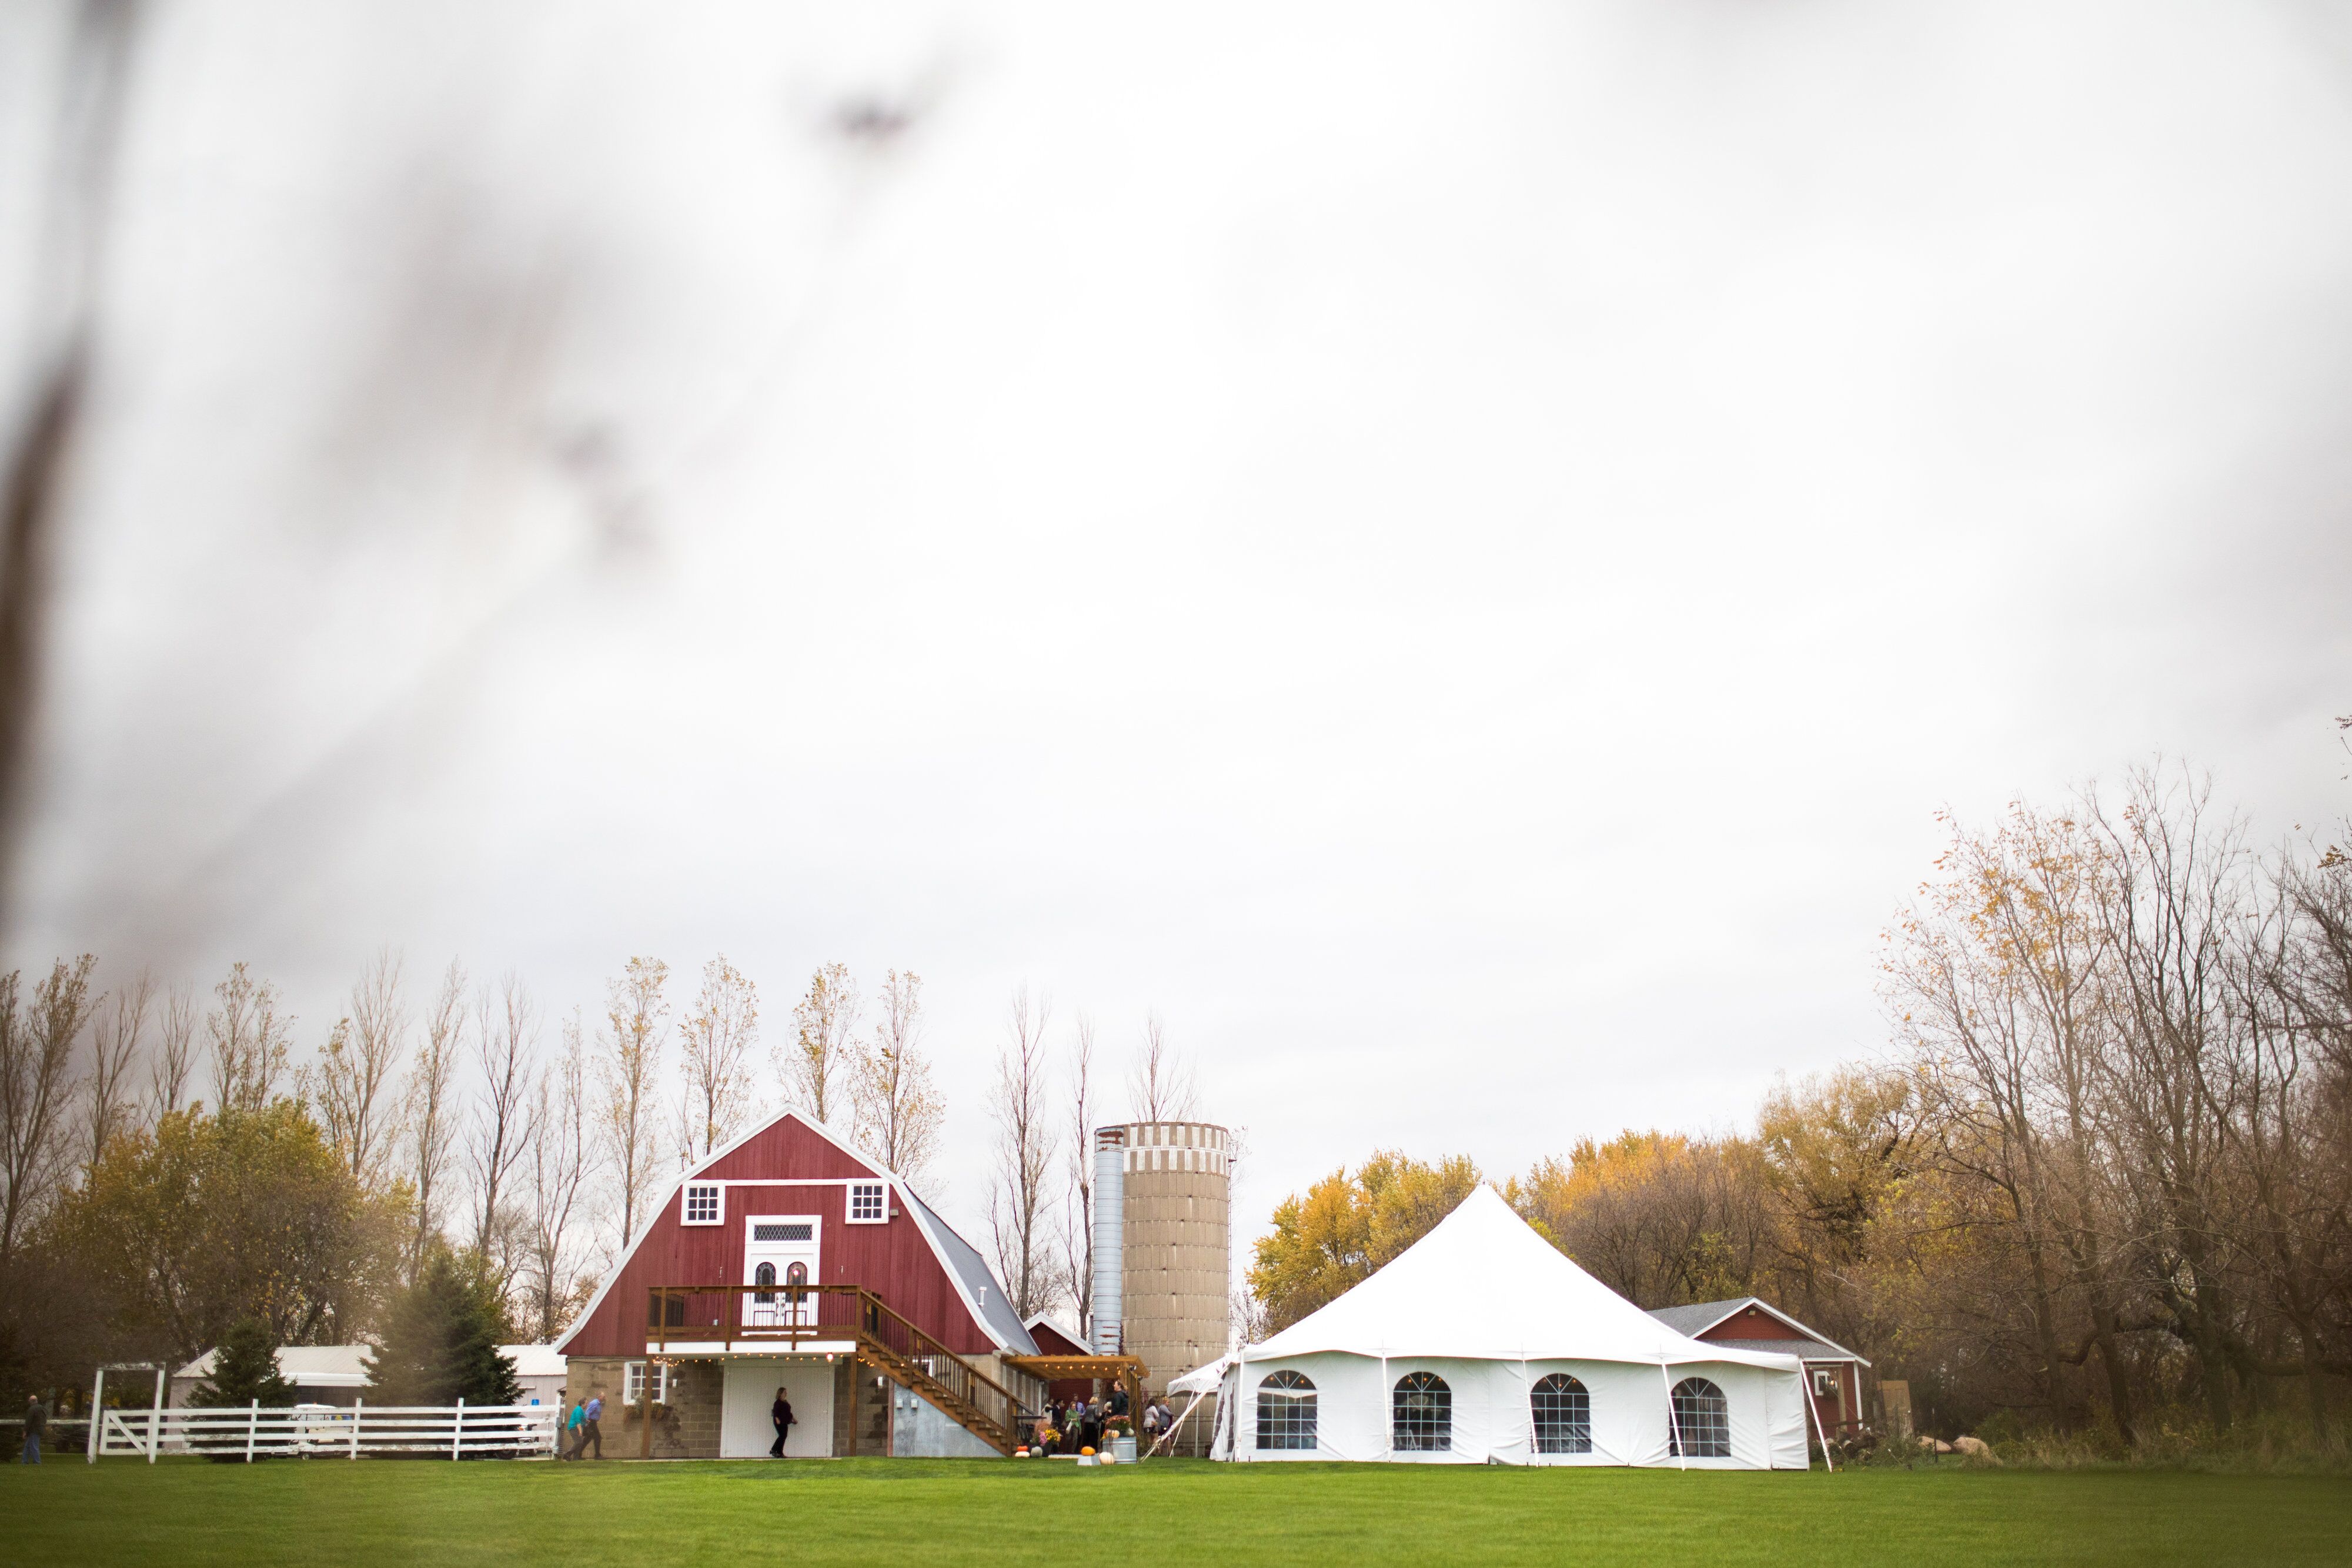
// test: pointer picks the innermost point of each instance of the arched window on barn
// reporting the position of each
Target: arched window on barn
(1421, 1415)
(798, 1301)
(1285, 1412)
(766, 1274)
(1563, 1413)
(1701, 1424)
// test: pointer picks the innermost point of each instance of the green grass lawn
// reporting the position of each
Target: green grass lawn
(876, 1513)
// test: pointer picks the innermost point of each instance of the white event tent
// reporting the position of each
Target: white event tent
(1483, 1343)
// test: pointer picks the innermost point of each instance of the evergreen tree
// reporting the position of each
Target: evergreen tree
(441, 1340)
(245, 1368)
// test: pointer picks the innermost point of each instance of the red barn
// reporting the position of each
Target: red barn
(788, 1260)
(1832, 1373)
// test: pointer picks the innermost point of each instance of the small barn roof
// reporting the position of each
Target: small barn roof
(1050, 1324)
(1484, 1285)
(305, 1365)
(534, 1360)
(1700, 1316)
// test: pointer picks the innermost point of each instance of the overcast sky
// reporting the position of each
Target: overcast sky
(1455, 551)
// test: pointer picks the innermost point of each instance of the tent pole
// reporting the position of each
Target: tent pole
(155, 1418)
(1388, 1397)
(1674, 1427)
(97, 1412)
(1806, 1395)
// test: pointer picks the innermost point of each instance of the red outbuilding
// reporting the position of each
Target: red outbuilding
(1832, 1373)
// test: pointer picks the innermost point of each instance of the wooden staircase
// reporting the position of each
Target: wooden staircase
(915, 1361)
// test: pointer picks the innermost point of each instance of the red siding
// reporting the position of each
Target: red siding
(892, 1260)
(1050, 1340)
(1748, 1322)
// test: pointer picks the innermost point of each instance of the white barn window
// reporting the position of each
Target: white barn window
(869, 1203)
(706, 1204)
(632, 1386)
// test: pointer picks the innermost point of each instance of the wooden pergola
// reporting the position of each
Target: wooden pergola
(1128, 1371)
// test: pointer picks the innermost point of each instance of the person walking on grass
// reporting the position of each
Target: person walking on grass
(37, 1421)
(591, 1432)
(780, 1413)
(579, 1428)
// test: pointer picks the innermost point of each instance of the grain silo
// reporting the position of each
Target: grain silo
(1162, 1214)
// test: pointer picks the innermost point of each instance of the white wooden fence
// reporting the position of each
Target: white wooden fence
(331, 1432)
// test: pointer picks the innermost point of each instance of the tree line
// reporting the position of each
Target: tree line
(170, 1170)
(2098, 1183)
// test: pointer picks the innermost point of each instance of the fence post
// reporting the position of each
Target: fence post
(357, 1406)
(96, 1414)
(458, 1430)
(252, 1423)
(155, 1417)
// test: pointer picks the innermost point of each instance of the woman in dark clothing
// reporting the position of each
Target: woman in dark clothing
(782, 1414)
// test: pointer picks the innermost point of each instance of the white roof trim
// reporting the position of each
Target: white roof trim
(913, 1211)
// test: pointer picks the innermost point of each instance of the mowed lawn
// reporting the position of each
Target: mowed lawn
(184, 1512)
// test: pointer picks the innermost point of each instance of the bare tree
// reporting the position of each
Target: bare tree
(114, 1051)
(716, 1039)
(900, 1112)
(628, 1115)
(37, 1048)
(2176, 875)
(249, 1042)
(1161, 1086)
(559, 1164)
(1018, 1197)
(431, 1112)
(815, 1066)
(352, 1083)
(506, 1039)
(167, 1076)
(1078, 1206)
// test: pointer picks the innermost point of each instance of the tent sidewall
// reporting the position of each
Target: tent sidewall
(1492, 1417)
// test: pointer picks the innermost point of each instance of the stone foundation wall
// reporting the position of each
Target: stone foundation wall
(687, 1429)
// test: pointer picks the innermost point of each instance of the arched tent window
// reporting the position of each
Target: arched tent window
(1563, 1413)
(1285, 1412)
(1421, 1416)
(766, 1274)
(1701, 1428)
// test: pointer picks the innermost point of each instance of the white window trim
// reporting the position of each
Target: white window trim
(685, 1199)
(849, 1202)
(632, 1378)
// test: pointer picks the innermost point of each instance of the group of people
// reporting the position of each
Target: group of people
(585, 1432)
(1075, 1425)
(1157, 1419)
